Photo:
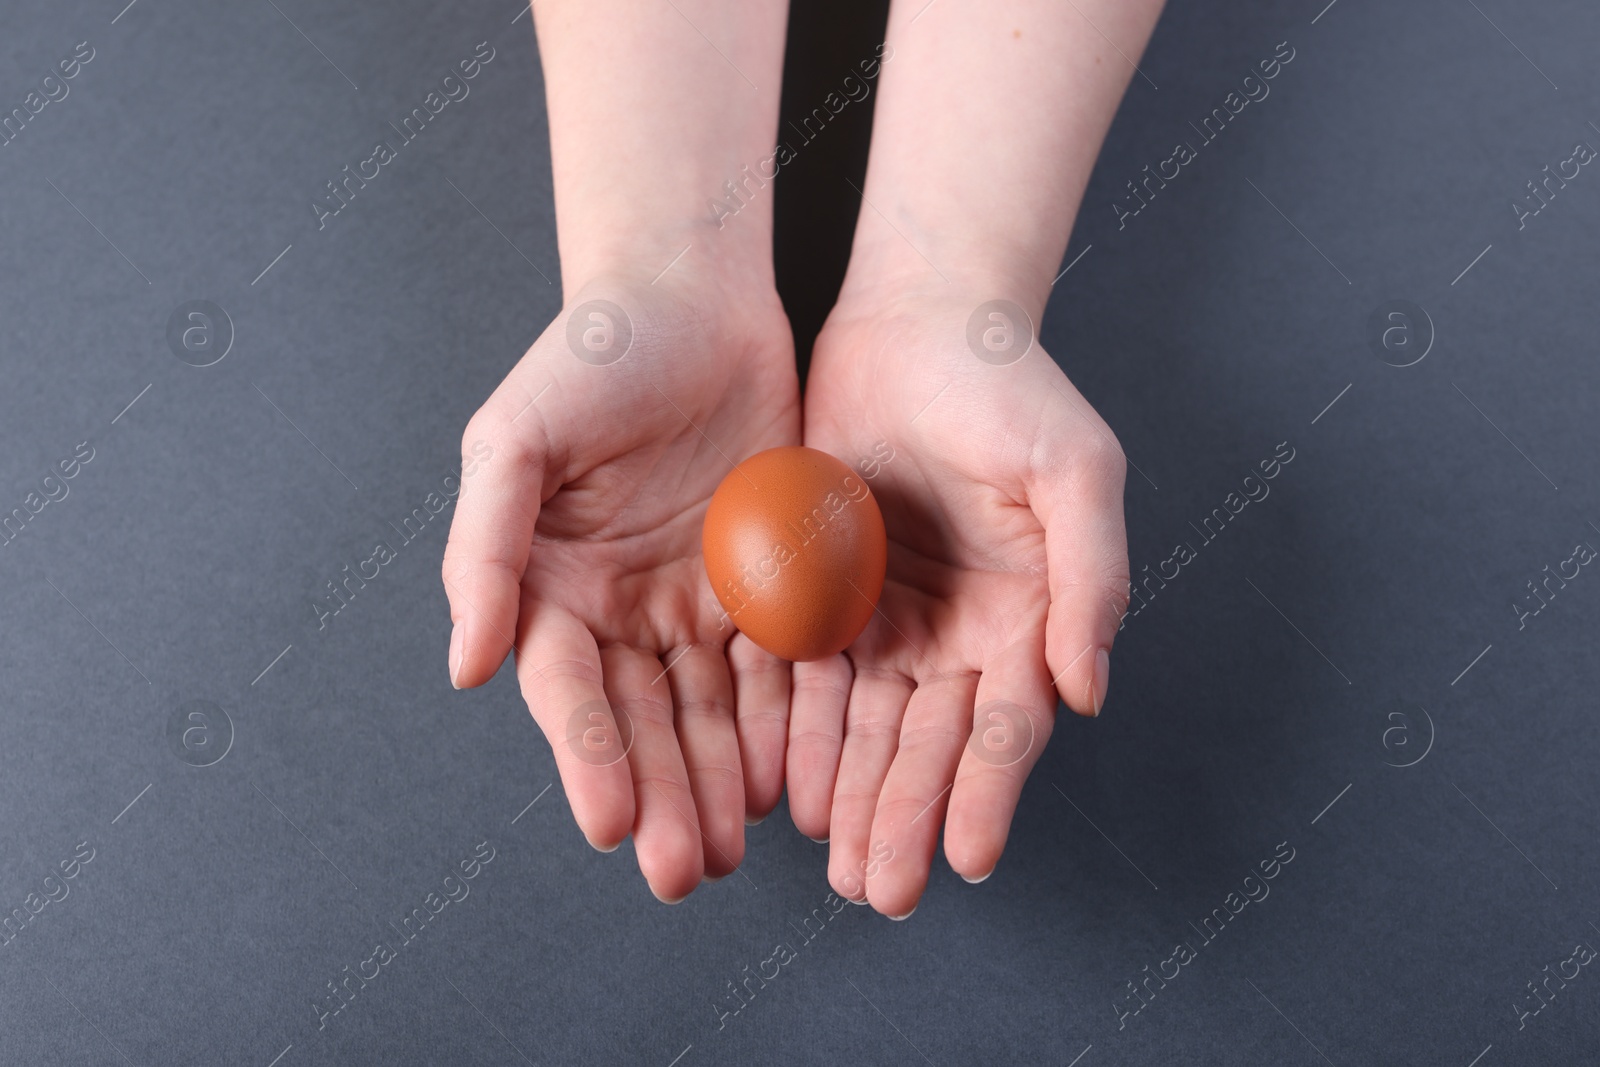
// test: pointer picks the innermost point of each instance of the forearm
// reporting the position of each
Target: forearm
(988, 122)
(647, 123)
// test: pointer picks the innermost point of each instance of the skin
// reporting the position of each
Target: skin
(1008, 567)
(577, 543)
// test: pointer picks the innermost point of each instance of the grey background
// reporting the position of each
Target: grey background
(1208, 330)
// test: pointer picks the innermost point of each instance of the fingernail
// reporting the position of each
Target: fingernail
(980, 878)
(670, 900)
(455, 655)
(748, 821)
(903, 918)
(1102, 680)
(608, 851)
(818, 840)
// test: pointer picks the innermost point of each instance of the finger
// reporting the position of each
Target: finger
(761, 703)
(559, 670)
(666, 830)
(816, 736)
(1078, 498)
(502, 482)
(702, 698)
(905, 825)
(871, 733)
(1011, 723)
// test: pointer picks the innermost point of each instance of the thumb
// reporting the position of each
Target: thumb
(1078, 500)
(502, 479)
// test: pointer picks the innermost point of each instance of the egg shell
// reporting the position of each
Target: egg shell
(796, 552)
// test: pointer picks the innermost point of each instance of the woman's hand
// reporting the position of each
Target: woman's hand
(1007, 580)
(576, 542)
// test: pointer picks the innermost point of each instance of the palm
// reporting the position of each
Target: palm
(967, 612)
(966, 561)
(577, 543)
(618, 544)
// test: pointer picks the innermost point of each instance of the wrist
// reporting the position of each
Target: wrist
(887, 269)
(719, 265)
(703, 212)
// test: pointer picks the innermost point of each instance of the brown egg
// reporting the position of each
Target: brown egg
(795, 550)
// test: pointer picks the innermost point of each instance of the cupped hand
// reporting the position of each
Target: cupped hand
(1007, 581)
(576, 542)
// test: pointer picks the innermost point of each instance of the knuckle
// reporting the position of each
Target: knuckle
(673, 789)
(458, 563)
(492, 435)
(874, 731)
(485, 427)
(647, 708)
(822, 685)
(455, 567)
(989, 777)
(1102, 457)
(938, 737)
(817, 739)
(704, 709)
(520, 451)
(751, 660)
(538, 678)
(717, 776)
(855, 799)
(894, 812)
(1119, 590)
(762, 720)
